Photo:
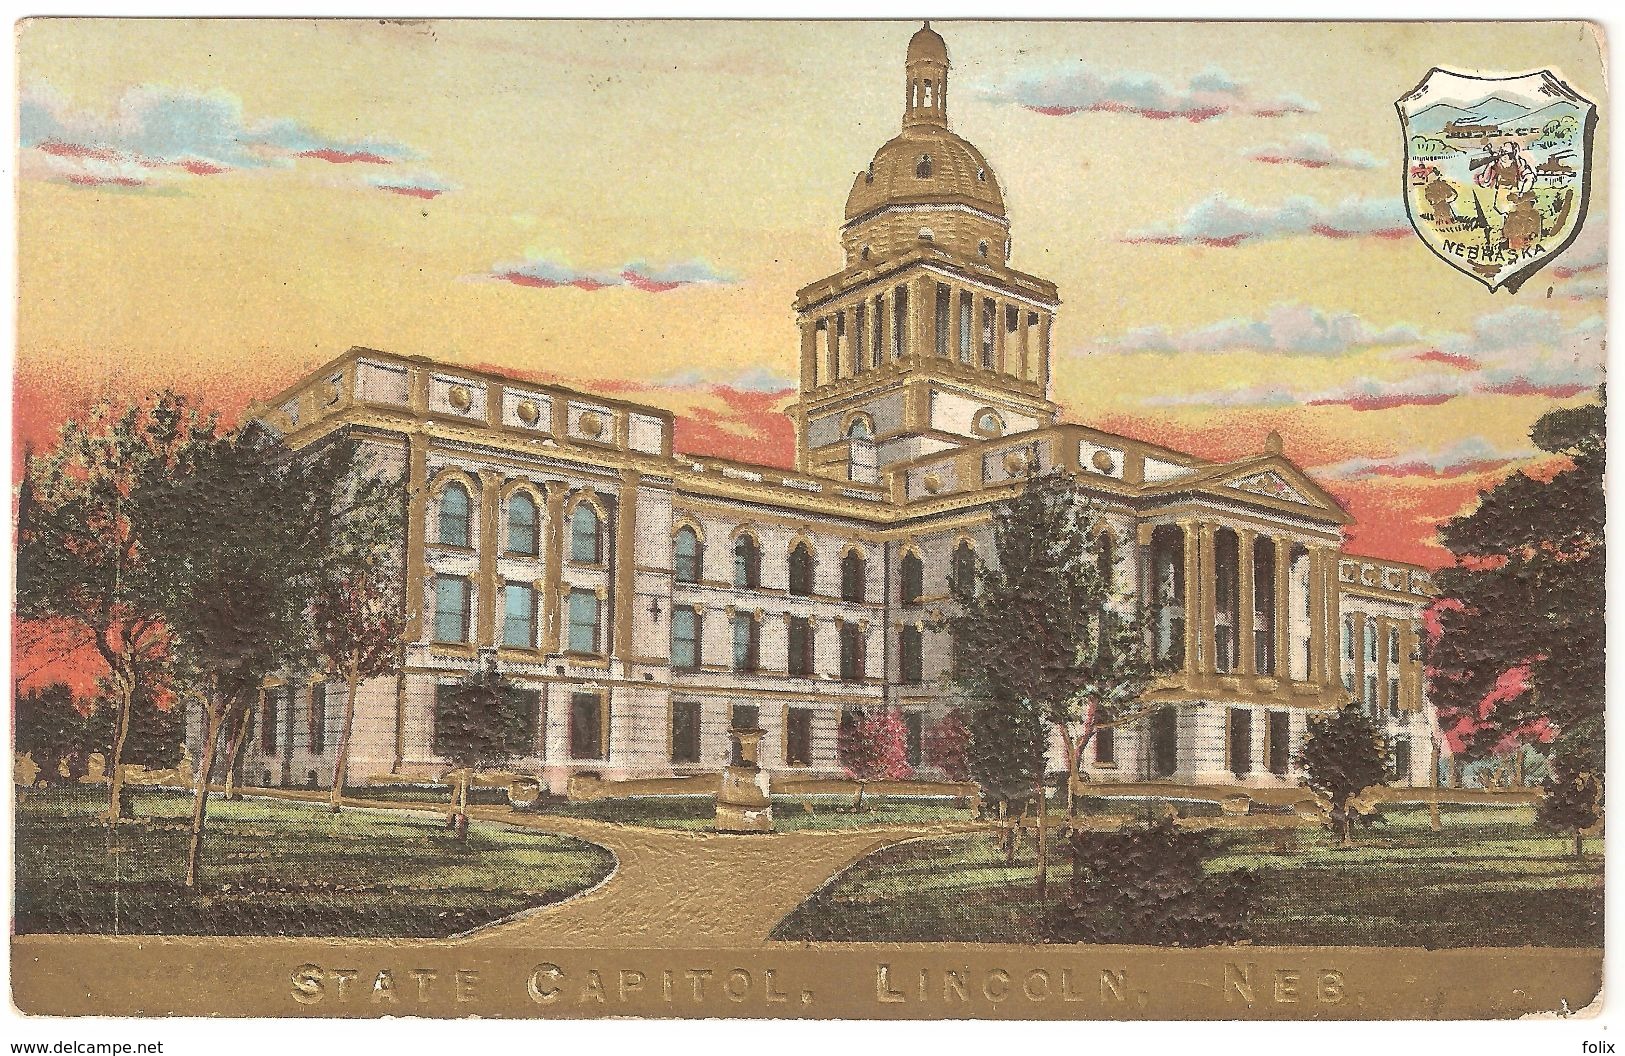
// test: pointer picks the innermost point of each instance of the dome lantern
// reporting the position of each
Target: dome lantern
(926, 93)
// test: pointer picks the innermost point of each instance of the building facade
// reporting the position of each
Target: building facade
(649, 600)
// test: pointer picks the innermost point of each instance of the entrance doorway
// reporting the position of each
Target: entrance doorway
(1165, 742)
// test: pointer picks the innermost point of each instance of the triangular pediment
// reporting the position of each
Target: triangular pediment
(1279, 482)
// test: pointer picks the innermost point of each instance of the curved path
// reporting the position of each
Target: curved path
(677, 888)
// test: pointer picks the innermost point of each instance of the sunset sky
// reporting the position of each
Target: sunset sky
(223, 205)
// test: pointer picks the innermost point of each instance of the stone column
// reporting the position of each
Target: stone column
(417, 505)
(999, 353)
(1323, 661)
(1206, 597)
(1245, 644)
(552, 569)
(925, 317)
(809, 355)
(487, 591)
(832, 361)
(1043, 351)
(1191, 559)
(1283, 609)
(626, 562)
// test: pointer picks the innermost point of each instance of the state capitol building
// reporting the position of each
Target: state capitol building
(649, 600)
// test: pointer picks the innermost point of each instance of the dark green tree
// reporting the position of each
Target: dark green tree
(1527, 591)
(359, 609)
(1344, 753)
(1571, 801)
(86, 560)
(1042, 625)
(252, 528)
(50, 729)
(482, 721)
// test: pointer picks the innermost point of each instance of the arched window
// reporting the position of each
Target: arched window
(1226, 599)
(585, 542)
(964, 575)
(454, 526)
(854, 571)
(522, 524)
(801, 569)
(860, 429)
(988, 423)
(686, 555)
(747, 563)
(922, 169)
(913, 579)
(1168, 596)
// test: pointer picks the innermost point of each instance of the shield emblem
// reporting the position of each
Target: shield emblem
(1497, 170)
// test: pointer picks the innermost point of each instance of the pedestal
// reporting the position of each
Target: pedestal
(743, 802)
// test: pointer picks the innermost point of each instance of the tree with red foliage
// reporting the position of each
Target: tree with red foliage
(947, 746)
(873, 746)
(1518, 655)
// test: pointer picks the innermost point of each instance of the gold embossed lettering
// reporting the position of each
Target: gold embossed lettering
(883, 991)
(308, 985)
(543, 983)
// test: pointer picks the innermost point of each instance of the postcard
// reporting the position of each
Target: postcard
(946, 519)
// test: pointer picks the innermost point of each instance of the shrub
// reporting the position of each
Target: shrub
(1145, 885)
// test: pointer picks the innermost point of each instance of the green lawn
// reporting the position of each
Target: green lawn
(1490, 878)
(278, 868)
(698, 813)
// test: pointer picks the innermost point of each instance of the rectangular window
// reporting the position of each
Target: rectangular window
(685, 638)
(852, 658)
(519, 616)
(911, 658)
(318, 718)
(800, 658)
(1241, 741)
(798, 737)
(527, 704)
(966, 315)
(589, 724)
(747, 641)
(944, 318)
(1393, 696)
(685, 731)
(913, 737)
(1106, 747)
(899, 322)
(1348, 654)
(1393, 645)
(1280, 732)
(1012, 319)
(452, 595)
(1371, 694)
(584, 621)
(1370, 641)
(268, 721)
(1402, 759)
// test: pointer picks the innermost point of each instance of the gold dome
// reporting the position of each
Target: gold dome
(926, 165)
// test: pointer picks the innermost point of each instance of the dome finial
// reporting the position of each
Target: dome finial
(926, 102)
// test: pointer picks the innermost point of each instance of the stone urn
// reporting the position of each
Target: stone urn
(743, 804)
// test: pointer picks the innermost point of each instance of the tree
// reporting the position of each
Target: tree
(1043, 623)
(947, 746)
(1571, 800)
(359, 611)
(1008, 741)
(1344, 753)
(156, 738)
(480, 722)
(1519, 651)
(50, 729)
(873, 746)
(86, 559)
(253, 526)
